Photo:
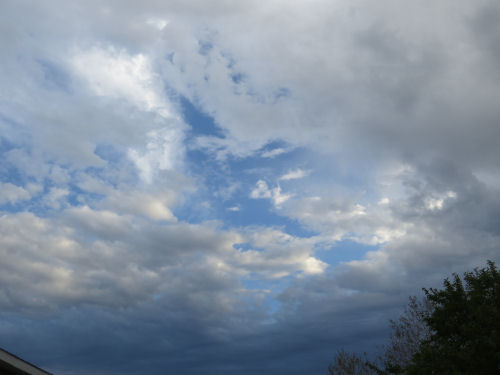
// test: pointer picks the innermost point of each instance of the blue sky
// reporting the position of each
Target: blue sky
(240, 187)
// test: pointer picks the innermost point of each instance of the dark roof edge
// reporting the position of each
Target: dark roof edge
(20, 363)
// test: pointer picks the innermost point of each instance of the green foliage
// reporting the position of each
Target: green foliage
(465, 326)
(453, 331)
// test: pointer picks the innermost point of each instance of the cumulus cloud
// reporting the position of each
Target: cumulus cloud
(394, 108)
(105, 258)
(164, 151)
(10, 193)
(282, 254)
(154, 206)
(340, 219)
(118, 75)
(262, 191)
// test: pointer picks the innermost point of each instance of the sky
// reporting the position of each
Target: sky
(225, 187)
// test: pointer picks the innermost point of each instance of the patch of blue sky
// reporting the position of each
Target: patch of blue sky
(344, 251)
(225, 187)
(200, 122)
(9, 173)
(236, 209)
(34, 204)
(78, 197)
(237, 77)
(54, 77)
(170, 57)
(271, 287)
(13, 207)
(240, 212)
(5, 144)
(109, 153)
(204, 47)
(118, 169)
(261, 212)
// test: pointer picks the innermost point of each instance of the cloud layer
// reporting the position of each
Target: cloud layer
(241, 187)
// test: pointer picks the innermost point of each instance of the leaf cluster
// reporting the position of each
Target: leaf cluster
(454, 330)
(465, 326)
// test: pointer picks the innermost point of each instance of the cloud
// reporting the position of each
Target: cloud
(342, 218)
(104, 258)
(282, 254)
(437, 203)
(154, 206)
(55, 198)
(274, 152)
(262, 191)
(117, 74)
(394, 108)
(12, 194)
(164, 151)
(294, 174)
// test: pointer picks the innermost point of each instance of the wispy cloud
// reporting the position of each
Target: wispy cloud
(294, 174)
(274, 152)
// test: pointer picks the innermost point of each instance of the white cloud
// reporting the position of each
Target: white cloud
(338, 218)
(262, 191)
(314, 266)
(156, 206)
(164, 150)
(278, 197)
(437, 203)
(117, 74)
(56, 198)
(274, 152)
(13, 194)
(282, 255)
(295, 174)
(384, 201)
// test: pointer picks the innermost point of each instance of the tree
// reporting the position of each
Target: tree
(345, 363)
(454, 330)
(465, 326)
(407, 332)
